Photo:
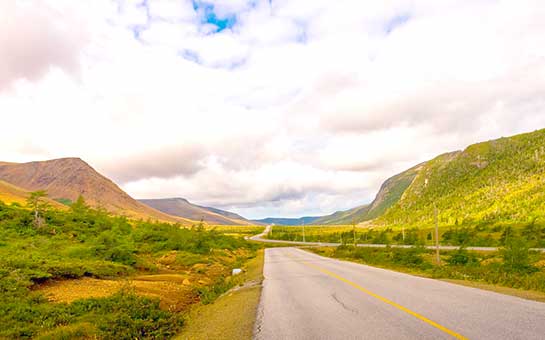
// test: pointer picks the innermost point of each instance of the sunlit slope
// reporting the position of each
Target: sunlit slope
(183, 208)
(496, 181)
(390, 192)
(11, 194)
(354, 215)
(68, 178)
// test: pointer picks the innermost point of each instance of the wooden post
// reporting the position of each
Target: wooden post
(437, 254)
(354, 231)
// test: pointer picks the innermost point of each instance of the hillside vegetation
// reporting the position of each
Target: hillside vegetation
(156, 271)
(496, 182)
(10, 193)
(390, 192)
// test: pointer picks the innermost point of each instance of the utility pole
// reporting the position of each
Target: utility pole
(354, 231)
(304, 240)
(438, 257)
(403, 232)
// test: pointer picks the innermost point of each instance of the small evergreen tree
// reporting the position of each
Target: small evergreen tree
(516, 255)
(36, 202)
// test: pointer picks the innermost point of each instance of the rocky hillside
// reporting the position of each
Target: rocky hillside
(183, 208)
(67, 178)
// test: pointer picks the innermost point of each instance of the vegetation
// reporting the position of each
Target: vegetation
(240, 305)
(389, 194)
(239, 231)
(483, 235)
(85, 242)
(499, 182)
(514, 266)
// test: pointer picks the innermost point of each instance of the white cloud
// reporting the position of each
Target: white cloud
(299, 108)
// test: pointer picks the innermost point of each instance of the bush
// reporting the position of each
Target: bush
(462, 257)
(516, 255)
(90, 242)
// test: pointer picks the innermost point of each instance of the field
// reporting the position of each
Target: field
(485, 235)
(237, 231)
(83, 273)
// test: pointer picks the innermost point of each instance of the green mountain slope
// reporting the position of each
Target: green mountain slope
(390, 192)
(354, 215)
(496, 181)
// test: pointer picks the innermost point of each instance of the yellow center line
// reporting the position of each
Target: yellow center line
(385, 300)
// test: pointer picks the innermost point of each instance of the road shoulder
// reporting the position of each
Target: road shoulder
(516, 292)
(231, 316)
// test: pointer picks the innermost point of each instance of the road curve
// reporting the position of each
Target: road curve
(306, 296)
(261, 238)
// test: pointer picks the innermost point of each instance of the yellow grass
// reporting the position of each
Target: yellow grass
(232, 316)
(171, 290)
(12, 194)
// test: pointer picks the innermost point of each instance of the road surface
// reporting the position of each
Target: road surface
(261, 238)
(306, 296)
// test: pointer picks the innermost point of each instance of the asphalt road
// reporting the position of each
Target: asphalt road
(306, 296)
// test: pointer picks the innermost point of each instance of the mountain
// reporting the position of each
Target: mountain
(354, 215)
(67, 178)
(288, 221)
(390, 193)
(183, 208)
(10, 193)
(499, 181)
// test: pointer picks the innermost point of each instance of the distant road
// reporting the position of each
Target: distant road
(306, 296)
(261, 238)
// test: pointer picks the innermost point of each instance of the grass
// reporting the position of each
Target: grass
(482, 234)
(231, 316)
(85, 273)
(521, 293)
(512, 269)
(239, 231)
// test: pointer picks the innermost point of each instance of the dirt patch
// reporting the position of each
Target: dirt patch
(170, 289)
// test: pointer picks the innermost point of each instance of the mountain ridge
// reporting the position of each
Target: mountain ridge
(178, 206)
(68, 178)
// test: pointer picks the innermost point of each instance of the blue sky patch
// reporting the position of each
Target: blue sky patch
(209, 16)
(190, 55)
(395, 22)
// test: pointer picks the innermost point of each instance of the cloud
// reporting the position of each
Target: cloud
(165, 162)
(290, 108)
(34, 39)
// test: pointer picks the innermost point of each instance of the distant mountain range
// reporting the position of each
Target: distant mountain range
(287, 221)
(501, 180)
(66, 179)
(182, 207)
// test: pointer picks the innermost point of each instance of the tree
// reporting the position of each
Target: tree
(516, 255)
(38, 204)
(79, 207)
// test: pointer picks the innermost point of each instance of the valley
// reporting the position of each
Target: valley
(160, 268)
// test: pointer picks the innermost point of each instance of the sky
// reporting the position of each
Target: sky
(265, 107)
